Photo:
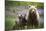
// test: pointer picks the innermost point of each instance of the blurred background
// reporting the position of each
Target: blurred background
(13, 8)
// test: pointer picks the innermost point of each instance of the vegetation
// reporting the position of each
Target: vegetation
(22, 3)
(9, 22)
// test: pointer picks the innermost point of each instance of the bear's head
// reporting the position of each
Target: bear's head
(32, 9)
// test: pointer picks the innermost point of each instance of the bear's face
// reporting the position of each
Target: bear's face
(32, 10)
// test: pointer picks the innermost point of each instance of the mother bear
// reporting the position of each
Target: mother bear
(33, 17)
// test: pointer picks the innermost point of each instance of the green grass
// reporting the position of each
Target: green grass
(9, 22)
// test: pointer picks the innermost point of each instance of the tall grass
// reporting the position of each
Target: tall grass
(9, 22)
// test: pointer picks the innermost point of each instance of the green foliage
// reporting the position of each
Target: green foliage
(22, 3)
(40, 5)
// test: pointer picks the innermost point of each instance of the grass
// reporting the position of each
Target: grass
(9, 22)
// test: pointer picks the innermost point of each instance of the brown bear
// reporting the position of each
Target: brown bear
(33, 17)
